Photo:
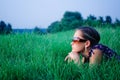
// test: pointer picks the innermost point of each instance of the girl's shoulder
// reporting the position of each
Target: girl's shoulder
(106, 50)
(100, 46)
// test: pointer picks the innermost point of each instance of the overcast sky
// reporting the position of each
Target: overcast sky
(41, 13)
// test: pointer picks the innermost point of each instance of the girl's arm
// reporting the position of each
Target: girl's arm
(73, 57)
(96, 57)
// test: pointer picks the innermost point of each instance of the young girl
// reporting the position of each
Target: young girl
(86, 43)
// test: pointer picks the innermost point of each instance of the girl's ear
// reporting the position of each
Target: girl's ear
(87, 43)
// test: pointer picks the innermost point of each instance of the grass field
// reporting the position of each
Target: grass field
(41, 57)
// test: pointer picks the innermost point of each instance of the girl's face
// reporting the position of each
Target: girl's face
(78, 43)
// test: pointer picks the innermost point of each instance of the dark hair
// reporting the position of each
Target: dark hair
(91, 34)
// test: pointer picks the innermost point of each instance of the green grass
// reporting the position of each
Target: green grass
(41, 57)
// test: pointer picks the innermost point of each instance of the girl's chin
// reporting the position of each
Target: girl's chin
(75, 51)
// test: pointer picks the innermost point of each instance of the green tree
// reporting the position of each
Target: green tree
(71, 20)
(91, 17)
(8, 29)
(54, 27)
(91, 21)
(100, 21)
(2, 27)
(72, 15)
(117, 22)
(37, 30)
(108, 20)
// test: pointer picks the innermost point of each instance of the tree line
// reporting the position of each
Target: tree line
(72, 20)
(5, 28)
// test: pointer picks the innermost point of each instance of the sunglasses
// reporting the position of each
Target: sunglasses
(77, 39)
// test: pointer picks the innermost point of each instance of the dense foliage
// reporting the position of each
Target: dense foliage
(4, 28)
(37, 30)
(72, 20)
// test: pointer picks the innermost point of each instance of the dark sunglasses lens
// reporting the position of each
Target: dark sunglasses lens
(75, 40)
(78, 40)
(82, 40)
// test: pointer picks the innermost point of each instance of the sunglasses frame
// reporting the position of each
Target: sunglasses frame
(77, 39)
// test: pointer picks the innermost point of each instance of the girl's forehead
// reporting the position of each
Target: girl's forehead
(78, 33)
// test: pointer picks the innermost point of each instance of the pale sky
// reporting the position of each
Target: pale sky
(41, 13)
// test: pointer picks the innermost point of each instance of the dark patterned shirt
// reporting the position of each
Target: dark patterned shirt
(109, 53)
